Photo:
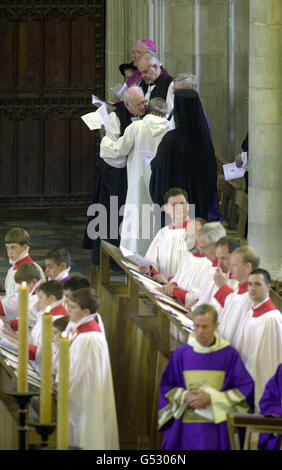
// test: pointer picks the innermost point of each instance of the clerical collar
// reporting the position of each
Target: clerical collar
(263, 307)
(219, 344)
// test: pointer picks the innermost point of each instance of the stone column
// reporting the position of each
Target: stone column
(212, 68)
(265, 134)
(116, 49)
(179, 36)
(127, 21)
(239, 74)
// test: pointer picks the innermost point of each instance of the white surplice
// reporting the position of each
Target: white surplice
(11, 287)
(167, 250)
(9, 302)
(233, 315)
(92, 410)
(207, 288)
(261, 344)
(190, 272)
(143, 135)
(10, 306)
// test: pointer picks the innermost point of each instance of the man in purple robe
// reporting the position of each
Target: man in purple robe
(203, 381)
(271, 404)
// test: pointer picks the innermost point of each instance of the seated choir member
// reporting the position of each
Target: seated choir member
(17, 243)
(31, 274)
(58, 265)
(190, 272)
(49, 294)
(79, 282)
(207, 288)
(202, 382)
(92, 411)
(260, 342)
(170, 245)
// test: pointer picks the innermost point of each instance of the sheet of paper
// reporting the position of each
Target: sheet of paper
(179, 316)
(150, 283)
(103, 116)
(104, 119)
(97, 102)
(92, 120)
(120, 92)
(135, 258)
(7, 344)
(231, 171)
(118, 89)
(148, 156)
(244, 156)
(169, 300)
(130, 265)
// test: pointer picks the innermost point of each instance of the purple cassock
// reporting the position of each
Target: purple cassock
(271, 403)
(225, 372)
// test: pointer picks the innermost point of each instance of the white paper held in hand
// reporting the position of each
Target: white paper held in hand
(231, 171)
(135, 258)
(92, 121)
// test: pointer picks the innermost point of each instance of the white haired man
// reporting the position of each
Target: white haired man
(111, 181)
(192, 269)
(144, 135)
(156, 81)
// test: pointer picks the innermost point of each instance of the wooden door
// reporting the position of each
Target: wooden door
(51, 61)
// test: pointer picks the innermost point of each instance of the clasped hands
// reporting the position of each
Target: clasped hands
(197, 399)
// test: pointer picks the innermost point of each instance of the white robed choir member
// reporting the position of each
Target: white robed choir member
(92, 412)
(189, 273)
(168, 249)
(222, 273)
(140, 136)
(11, 287)
(232, 306)
(232, 311)
(261, 346)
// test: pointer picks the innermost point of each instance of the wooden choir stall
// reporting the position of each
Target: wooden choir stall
(137, 325)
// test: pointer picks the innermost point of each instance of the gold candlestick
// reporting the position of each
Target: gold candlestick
(46, 369)
(63, 395)
(22, 385)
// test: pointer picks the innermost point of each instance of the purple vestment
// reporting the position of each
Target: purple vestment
(189, 369)
(271, 403)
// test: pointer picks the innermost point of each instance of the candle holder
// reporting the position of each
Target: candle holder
(22, 399)
(44, 430)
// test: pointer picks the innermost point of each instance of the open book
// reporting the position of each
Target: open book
(9, 354)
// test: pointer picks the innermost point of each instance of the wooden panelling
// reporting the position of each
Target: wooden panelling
(51, 61)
